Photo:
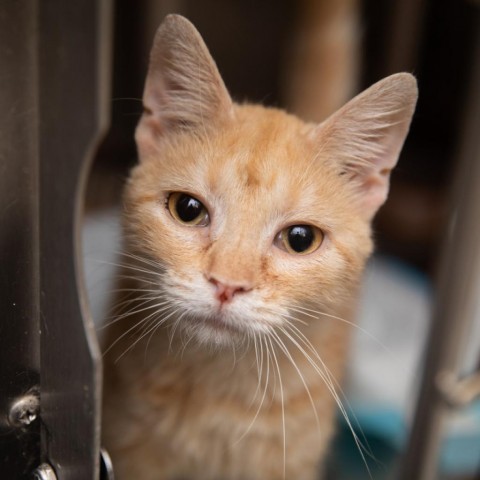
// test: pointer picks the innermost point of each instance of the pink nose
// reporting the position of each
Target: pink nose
(225, 292)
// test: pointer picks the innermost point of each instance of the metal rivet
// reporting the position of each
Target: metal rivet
(24, 410)
(44, 472)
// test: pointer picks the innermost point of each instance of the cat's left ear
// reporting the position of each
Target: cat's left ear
(184, 89)
(364, 138)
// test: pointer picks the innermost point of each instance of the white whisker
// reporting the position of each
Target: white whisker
(329, 381)
(292, 361)
(314, 314)
(136, 325)
(267, 377)
(283, 408)
(134, 311)
(155, 326)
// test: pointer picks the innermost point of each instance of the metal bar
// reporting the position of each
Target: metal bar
(458, 287)
(19, 337)
(74, 62)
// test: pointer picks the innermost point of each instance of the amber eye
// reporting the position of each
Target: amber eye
(300, 239)
(188, 210)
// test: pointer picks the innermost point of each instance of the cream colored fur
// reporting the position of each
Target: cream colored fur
(246, 390)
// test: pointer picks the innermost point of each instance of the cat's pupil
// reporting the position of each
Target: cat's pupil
(300, 237)
(188, 208)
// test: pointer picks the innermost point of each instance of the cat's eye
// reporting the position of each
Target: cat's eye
(299, 239)
(187, 210)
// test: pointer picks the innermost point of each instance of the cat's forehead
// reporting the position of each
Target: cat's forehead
(266, 151)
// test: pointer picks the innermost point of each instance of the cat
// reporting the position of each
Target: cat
(247, 231)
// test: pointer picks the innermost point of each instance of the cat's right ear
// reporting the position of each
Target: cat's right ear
(364, 137)
(183, 89)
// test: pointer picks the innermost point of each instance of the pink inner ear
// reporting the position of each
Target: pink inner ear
(375, 181)
(374, 188)
(373, 175)
(146, 135)
(371, 182)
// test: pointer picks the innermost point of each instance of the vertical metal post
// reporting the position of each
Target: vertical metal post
(54, 79)
(19, 342)
(73, 70)
(458, 287)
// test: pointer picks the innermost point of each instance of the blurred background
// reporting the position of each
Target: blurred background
(311, 56)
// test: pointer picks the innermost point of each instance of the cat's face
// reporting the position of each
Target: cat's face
(256, 177)
(247, 211)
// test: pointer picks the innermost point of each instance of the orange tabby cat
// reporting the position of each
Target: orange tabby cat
(248, 231)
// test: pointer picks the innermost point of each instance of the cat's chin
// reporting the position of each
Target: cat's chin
(214, 330)
(222, 330)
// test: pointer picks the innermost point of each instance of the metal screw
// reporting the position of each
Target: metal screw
(44, 472)
(24, 410)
